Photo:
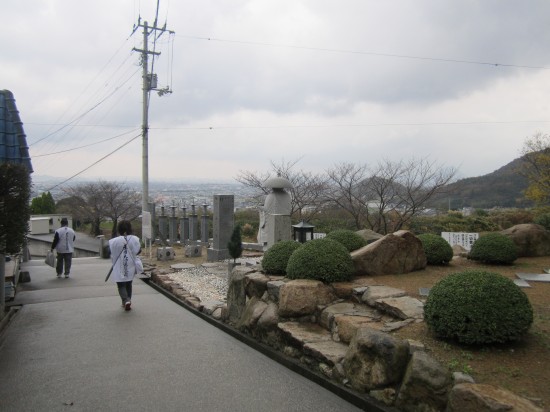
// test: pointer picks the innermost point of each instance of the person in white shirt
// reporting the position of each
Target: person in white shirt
(124, 250)
(63, 243)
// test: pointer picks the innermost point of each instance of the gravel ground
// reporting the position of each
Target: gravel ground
(203, 284)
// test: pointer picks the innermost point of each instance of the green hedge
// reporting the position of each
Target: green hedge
(321, 259)
(276, 257)
(478, 308)
(350, 239)
(494, 248)
(437, 250)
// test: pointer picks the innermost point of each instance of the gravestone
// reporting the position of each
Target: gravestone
(193, 226)
(163, 225)
(222, 226)
(173, 226)
(204, 225)
(184, 226)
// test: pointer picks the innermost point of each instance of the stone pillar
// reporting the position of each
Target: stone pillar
(193, 226)
(204, 224)
(173, 226)
(222, 226)
(163, 226)
(184, 226)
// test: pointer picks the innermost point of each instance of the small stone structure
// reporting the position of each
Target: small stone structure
(275, 224)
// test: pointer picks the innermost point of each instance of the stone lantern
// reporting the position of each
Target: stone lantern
(302, 232)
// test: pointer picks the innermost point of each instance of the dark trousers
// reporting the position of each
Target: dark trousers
(125, 291)
(64, 259)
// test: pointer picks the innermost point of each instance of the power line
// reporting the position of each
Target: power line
(305, 126)
(86, 112)
(368, 53)
(96, 162)
(88, 145)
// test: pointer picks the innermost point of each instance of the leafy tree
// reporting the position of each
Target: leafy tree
(536, 155)
(15, 191)
(14, 207)
(43, 204)
(235, 245)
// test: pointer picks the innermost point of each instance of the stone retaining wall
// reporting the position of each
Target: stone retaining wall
(341, 331)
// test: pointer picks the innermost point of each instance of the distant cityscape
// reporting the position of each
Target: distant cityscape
(165, 193)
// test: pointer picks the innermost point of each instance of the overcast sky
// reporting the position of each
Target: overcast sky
(463, 83)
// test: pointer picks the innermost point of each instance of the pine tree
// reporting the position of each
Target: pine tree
(235, 244)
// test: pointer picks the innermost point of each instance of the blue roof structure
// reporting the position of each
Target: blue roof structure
(13, 141)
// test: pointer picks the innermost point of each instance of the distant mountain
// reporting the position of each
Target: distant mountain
(502, 188)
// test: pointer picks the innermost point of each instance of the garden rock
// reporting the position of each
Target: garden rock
(347, 326)
(395, 253)
(346, 290)
(270, 317)
(369, 235)
(302, 296)
(403, 307)
(373, 293)
(236, 295)
(254, 309)
(425, 386)
(487, 398)
(375, 360)
(256, 284)
(530, 239)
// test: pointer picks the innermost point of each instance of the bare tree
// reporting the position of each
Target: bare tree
(385, 198)
(346, 191)
(418, 181)
(119, 202)
(307, 193)
(96, 202)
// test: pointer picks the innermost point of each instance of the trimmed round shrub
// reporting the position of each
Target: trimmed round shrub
(437, 250)
(478, 308)
(543, 220)
(276, 257)
(494, 248)
(321, 259)
(351, 240)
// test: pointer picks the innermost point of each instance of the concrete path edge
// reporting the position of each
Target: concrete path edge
(361, 401)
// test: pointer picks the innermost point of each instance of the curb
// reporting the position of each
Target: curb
(361, 401)
(8, 318)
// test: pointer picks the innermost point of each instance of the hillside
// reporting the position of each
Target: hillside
(502, 188)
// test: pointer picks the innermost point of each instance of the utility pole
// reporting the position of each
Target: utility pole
(149, 83)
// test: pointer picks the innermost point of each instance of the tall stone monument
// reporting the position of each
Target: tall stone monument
(275, 224)
(222, 227)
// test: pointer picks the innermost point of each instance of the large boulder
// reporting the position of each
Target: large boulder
(375, 360)
(236, 293)
(425, 386)
(487, 398)
(395, 253)
(530, 239)
(301, 297)
(253, 311)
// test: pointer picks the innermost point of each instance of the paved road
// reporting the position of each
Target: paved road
(71, 347)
